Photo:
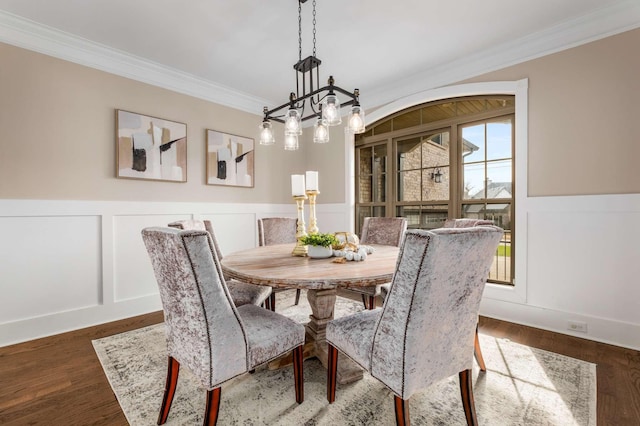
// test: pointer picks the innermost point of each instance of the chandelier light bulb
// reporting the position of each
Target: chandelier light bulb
(266, 134)
(331, 110)
(321, 131)
(290, 142)
(293, 123)
(356, 120)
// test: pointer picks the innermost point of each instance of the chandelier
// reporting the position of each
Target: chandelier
(308, 102)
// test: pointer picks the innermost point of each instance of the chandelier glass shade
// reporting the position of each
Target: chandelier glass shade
(322, 104)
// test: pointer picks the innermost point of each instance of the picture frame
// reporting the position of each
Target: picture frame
(150, 148)
(230, 159)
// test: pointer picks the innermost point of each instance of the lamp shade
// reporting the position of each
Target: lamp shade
(293, 123)
(356, 119)
(266, 133)
(321, 131)
(290, 142)
(331, 110)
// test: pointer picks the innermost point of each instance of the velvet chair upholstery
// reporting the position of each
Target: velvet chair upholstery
(425, 329)
(241, 293)
(457, 223)
(387, 231)
(277, 230)
(205, 331)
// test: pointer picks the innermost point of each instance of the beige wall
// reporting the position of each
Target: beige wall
(57, 122)
(584, 112)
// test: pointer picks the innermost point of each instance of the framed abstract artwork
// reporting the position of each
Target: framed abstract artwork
(230, 159)
(150, 148)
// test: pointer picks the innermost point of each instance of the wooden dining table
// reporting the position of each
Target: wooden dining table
(275, 266)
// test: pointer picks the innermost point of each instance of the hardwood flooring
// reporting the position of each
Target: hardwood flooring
(58, 380)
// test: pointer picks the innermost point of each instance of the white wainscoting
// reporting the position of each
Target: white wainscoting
(65, 265)
(582, 263)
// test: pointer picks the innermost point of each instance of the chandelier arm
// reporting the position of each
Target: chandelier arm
(352, 100)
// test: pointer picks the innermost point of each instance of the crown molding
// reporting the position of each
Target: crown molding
(590, 27)
(30, 35)
(618, 18)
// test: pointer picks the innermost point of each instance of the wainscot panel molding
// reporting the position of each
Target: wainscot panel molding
(65, 265)
(582, 265)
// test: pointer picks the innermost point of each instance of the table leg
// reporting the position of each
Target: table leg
(322, 304)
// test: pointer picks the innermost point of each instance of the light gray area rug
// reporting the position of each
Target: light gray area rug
(522, 386)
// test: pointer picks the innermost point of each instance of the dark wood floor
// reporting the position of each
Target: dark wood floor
(59, 381)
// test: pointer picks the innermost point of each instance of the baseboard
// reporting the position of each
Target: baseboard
(598, 329)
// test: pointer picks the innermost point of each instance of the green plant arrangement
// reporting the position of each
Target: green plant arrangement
(323, 240)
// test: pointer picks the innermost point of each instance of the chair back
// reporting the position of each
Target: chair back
(465, 223)
(199, 225)
(203, 329)
(277, 230)
(427, 327)
(386, 231)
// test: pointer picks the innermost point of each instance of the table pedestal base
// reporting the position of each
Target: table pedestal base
(322, 303)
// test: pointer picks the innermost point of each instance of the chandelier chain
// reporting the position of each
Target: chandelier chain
(299, 30)
(314, 27)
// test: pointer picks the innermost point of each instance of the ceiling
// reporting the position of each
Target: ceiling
(241, 52)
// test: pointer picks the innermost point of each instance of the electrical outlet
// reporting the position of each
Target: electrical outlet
(577, 326)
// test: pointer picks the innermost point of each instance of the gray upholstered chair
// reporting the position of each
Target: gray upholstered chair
(241, 293)
(277, 230)
(204, 329)
(457, 223)
(386, 231)
(425, 329)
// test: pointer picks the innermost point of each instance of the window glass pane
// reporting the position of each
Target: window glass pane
(500, 103)
(500, 214)
(409, 154)
(473, 143)
(380, 193)
(473, 179)
(435, 184)
(423, 217)
(499, 179)
(435, 150)
(378, 211)
(411, 213)
(409, 188)
(499, 139)
(361, 213)
(434, 216)
(408, 119)
(365, 161)
(380, 156)
(365, 195)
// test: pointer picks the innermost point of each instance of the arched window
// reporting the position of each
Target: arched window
(451, 158)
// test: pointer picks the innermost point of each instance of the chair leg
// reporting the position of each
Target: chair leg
(267, 303)
(272, 302)
(297, 296)
(298, 373)
(364, 301)
(173, 369)
(372, 302)
(213, 407)
(466, 391)
(478, 353)
(402, 411)
(332, 373)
